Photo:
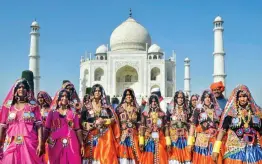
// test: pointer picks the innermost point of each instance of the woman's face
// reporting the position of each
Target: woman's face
(64, 98)
(21, 91)
(242, 98)
(70, 89)
(194, 101)
(128, 97)
(154, 103)
(207, 100)
(40, 100)
(180, 99)
(97, 93)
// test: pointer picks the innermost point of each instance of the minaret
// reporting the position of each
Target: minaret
(34, 57)
(219, 54)
(187, 77)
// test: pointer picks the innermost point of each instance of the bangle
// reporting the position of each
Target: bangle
(108, 121)
(168, 141)
(141, 140)
(190, 140)
(84, 124)
(217, 146)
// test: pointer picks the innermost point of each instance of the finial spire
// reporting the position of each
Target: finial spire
(130, 12)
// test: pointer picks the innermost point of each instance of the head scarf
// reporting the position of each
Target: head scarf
(46, 97)
(74, 96)
(190, 101)
(153, 96)
(104, 101)
(213, 100)
(132, 93)
(231, 106)
(10, 98)
(217, 85)
(56, 101)
(173, 102)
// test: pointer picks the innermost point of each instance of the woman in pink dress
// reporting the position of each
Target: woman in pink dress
(21, 121)
(44, 101)
(65, 144)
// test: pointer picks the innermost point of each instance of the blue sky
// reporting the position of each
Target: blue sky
(69, 28)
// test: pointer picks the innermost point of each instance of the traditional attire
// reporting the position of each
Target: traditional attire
(153, 130)
(100, 139)
(162, 103)
(206, 120)
(243, 127)
(128, 148)
(74, 100)
(191, 107)
(63, 144)
(177, 117)
(45, 109)
(21, 128)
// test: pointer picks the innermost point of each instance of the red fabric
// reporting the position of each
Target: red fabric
(161, 99)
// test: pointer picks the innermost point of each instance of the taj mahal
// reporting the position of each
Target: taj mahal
(131, 60)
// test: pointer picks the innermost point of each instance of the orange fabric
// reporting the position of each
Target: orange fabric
(217, 85)
(148, 157)
(46, 154)
(105, 150)
(202, 159)
(127, 152)
(181, 155)
(116, 125)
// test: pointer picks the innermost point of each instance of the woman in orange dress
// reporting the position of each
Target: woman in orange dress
(129, 116)
(177, 117)
(204, 126)
(100, 124)
(242, 123)
(154, 138)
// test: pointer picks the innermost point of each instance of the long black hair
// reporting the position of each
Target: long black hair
(176, 96)
(190, 101)
(154, 96)
(26, 86)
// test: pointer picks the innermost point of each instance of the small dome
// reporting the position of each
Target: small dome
(130, 36)
(34, 23)
(155, 49)
(187, 60)
(218, 19)
(101, 49)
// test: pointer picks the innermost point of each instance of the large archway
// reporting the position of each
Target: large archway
(155, 74)
(99, 73)
(126, 77)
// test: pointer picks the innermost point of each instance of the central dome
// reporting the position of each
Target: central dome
(129, 36)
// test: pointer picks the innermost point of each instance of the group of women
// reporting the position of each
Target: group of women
(64, 130)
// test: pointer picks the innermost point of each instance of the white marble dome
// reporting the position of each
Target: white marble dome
(154, 49)
(187, 60)
(129, 36)
(34, 23)
(101, 49)
(218, 19)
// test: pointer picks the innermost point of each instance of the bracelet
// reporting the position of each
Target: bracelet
(108, 121)
(141, 140)
(168, 141)
(84, 124)
(217, 146)
(190, 140)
